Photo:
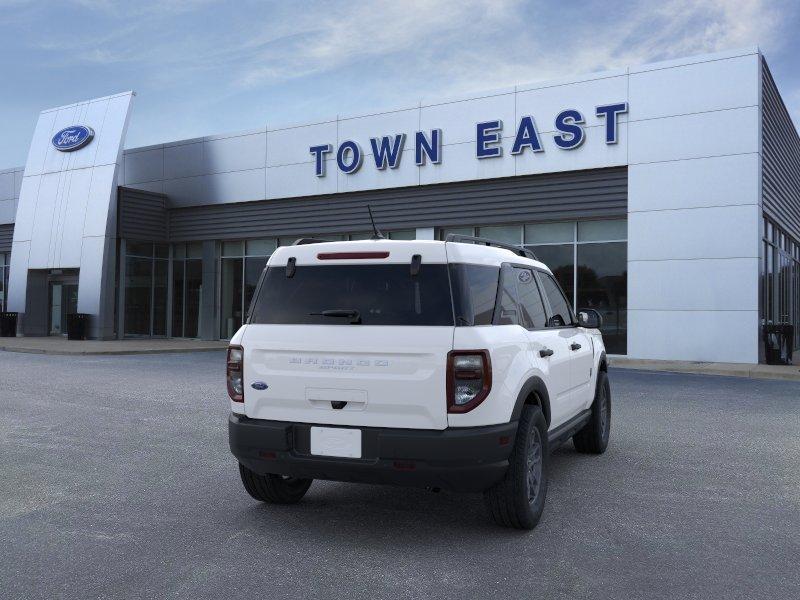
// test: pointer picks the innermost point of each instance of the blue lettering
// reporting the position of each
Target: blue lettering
(569, 122)
(319, 158)
(431, 149)
(610, 112)
(488, 133)
(349, 157)
(388, 152)
(527, 137)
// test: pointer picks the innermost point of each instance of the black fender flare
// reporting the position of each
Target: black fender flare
(533, 385)
(602, 363)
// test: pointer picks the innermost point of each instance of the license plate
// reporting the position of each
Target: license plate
(336, 441)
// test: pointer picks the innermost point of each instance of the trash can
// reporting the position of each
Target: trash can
(77, 323)
(778, 344)
(8, 324)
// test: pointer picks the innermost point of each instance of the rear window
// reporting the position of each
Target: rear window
(377, 294)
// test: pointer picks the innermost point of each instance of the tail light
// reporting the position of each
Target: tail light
(469, 379)
(235, 373)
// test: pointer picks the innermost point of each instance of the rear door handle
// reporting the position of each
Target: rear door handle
(545, 352)
(575, 346)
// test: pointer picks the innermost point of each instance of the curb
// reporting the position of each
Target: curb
(791, 373)
(108, 352)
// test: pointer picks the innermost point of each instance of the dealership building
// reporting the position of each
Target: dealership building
(665, 196)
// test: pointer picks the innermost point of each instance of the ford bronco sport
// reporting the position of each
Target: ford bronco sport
(453, 364)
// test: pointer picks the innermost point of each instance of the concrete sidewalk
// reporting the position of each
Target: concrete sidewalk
(752, 371)
(59, 345)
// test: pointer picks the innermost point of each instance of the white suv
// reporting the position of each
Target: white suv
(456, 365)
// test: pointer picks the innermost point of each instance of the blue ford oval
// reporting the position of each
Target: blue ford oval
(72, 138)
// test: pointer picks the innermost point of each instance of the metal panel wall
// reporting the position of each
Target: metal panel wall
(142, 215)
(780, 159)
(579, 194)
(6, 237)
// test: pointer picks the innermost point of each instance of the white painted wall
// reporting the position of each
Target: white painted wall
(66, 214)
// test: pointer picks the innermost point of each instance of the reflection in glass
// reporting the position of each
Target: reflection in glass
(160, 284)
(603, 286)
(560, 259)
(253, 266)
(138, 281)
(230, 297)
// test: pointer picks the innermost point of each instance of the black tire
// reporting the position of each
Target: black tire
(593, 438)
(275, 489)
(518, 500)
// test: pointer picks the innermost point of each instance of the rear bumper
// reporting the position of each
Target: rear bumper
(468, 459)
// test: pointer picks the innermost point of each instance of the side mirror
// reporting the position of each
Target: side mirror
(590, 318)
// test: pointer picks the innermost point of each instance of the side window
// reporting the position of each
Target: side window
(506, 309)
(561, 312)
(530, 300)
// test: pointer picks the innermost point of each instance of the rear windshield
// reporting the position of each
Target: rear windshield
(355, 294)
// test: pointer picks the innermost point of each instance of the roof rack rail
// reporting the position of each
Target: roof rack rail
(519, 250)
(304, 241)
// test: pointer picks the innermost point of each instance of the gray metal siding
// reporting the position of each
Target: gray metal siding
(780, 159)
(554, 196)
(142, 215)
(6, 237)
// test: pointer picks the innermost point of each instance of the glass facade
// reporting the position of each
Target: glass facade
(588, 258)
(5, 259)
(146, 289)
(187, 287)
(780, 280)
(241, 263)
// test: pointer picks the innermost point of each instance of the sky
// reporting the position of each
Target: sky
(203, 67)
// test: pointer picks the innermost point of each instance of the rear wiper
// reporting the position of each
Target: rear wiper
(353, 315)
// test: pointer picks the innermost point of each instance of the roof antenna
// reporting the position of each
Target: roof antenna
(376, 233)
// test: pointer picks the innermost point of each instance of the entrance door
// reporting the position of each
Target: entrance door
(63, 296)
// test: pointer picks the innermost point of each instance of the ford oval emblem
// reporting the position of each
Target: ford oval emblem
(72, 138)
(259, 385)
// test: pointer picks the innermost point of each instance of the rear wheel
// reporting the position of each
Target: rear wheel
(518, 500)
(593, 438)
(276, 489)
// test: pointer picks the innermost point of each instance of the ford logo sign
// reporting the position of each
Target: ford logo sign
(72, 138)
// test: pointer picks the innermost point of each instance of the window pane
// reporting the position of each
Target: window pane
(139, 249)
(508, 313)
(508, 234)
(230, 297)
(194, 287)
(261, 247)
(232, 248)
(561, 314)
(530, 300)
(177, 297)
(252, 271)
(592, 231)
(161, 250)
(603, 286)
(138, 283)
(548, 233)
(474, 293)
(560, 259)
(360, 236)
(160, 284)
(403, 234)
(179, 251)
(445, 231)
(194, 250)
(380, 294)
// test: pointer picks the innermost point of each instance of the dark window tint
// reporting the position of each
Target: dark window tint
(603, 286)
(561, 313)
(507, 312)
(474, 293)
(530, 300)
(380, 294)
(561, 261)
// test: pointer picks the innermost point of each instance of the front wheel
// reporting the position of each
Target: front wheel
(275, 489)
(518, 500)
(593, 437)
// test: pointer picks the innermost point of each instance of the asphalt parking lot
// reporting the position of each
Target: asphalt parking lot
(116, 482)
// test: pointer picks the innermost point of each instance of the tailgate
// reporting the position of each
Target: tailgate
(371, 376)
